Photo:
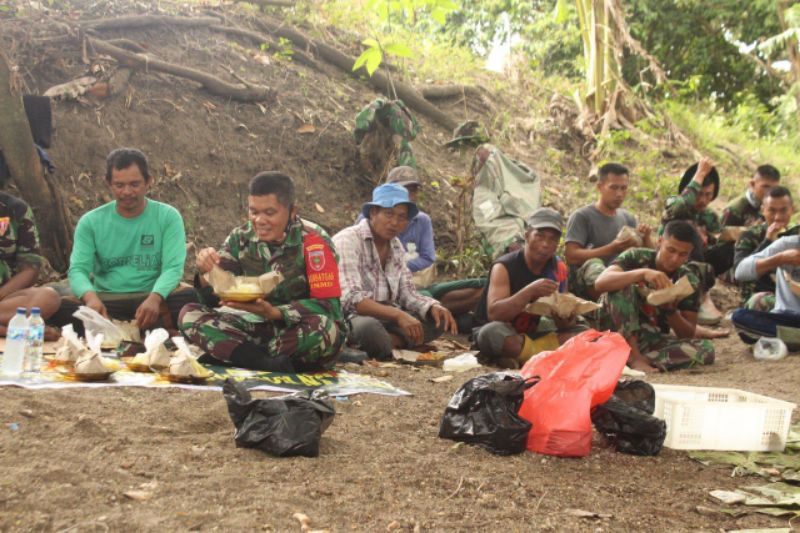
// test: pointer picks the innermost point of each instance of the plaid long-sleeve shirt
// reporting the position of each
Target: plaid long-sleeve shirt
(361, 275)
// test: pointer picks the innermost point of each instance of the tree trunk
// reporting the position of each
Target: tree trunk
(16, 143)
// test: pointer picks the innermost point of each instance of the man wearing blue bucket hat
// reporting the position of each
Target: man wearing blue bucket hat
(378, 293)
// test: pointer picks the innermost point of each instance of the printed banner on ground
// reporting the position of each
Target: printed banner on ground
(335, 383)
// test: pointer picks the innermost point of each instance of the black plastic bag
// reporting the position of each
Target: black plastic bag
(283, 426)
(484, 412)
(637, 393)
(626, 419)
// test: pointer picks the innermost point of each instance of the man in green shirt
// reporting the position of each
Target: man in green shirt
(128, 255)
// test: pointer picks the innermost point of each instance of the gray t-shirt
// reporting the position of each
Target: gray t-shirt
(591, 229)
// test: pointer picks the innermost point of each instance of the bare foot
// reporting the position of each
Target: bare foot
(641, 364)
(702, 332)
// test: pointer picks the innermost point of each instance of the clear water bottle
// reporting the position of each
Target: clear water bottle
(14, 356)
(35, 341)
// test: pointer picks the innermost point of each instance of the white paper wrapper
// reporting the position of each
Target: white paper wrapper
(676, 293)
(627, 232)
(731, 233)
(155, 353)
(226, 284)
(561, 305)
(90, 361)
(70, 347)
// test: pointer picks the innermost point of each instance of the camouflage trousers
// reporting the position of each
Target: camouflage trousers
(313, 342)
(622, 313)
(761, 301)
(582, 278)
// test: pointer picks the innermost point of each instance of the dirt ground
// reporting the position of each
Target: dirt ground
(381, 465)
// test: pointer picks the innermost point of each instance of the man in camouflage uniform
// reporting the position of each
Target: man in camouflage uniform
(20, 264)
(699, 186)
(745, 210)
(647, 327)
(777, 210)
(299, 326)
(394, 115)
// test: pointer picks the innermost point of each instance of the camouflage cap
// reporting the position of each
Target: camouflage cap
(544, 217)
(404, 176)
(468, 131)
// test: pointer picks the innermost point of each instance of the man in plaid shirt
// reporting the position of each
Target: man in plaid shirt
(378, 294)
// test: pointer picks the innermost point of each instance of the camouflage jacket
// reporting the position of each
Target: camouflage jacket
(19, 238)
(635, 258)
(395, 115)
(681, 207)
(753, 240)
(244, 255)
(741, 212)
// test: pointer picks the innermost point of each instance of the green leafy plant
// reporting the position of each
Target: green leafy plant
(406, 11)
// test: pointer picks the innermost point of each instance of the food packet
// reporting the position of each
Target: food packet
(228, 286)
(70, 346)
(561, 305)
(91, 361)
(156, 354)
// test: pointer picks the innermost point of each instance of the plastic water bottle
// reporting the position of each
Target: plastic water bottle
(14, 355)
(33, 348)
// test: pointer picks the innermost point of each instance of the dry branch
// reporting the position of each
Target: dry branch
(127, 44)
(440, 92)
(258, 38)
(379, 80)
(141, 21)
(214, 85)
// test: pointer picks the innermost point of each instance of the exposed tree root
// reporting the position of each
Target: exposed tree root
(214, 85)
(378, 80)
(141, 21)
(297, 55)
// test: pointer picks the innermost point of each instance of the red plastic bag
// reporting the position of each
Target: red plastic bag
(579, 375)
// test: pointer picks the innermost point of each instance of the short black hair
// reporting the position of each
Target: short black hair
(768, 172)
(122, 158)
(779, 191)
(611, 168)
(680, 230)
(273, 182)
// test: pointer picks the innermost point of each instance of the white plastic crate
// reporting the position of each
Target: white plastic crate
(706, 418)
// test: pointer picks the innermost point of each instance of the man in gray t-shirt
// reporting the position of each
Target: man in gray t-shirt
(591, 241)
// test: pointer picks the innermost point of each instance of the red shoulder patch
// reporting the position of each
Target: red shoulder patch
(321, 268)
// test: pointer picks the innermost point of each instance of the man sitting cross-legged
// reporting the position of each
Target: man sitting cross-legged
(783, 257)
(646, 327)
(507, 334)
(298, 327)
(128, 255)
(384, 307)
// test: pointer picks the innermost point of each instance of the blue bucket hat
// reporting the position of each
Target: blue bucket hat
(389, 195)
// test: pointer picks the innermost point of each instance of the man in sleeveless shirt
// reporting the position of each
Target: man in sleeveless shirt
(509, 335)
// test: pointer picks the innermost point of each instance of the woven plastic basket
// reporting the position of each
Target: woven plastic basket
(706, 418)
